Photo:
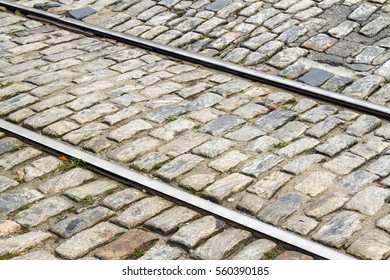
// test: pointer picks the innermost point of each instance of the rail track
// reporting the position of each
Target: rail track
(315, 92)
(117, 172)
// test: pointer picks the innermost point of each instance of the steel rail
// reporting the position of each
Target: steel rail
(315, 92)
(135, 179)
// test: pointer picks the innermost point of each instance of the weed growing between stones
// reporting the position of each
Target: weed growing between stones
(109, 192)
(271, 255)
(87, 200)
(137, 254)
(69, 163)
(157, 166)
(171, 118)
(6, 84)
(24, 207)
(279, 145)
(7, 256)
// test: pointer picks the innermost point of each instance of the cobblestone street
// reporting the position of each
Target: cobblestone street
(312, 168)
(339, 45)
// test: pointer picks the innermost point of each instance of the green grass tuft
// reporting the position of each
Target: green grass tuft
(171, 118)
(137, 254)
(24, 207)
(157, 166)
(7, 256)
(70, 163)
(279, 145)
(271, 255)
(87, 200)
(6, 84)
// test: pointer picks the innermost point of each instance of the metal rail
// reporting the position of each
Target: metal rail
(332, 97)
(130, 177)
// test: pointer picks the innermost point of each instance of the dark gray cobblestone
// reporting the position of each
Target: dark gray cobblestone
(266, 139)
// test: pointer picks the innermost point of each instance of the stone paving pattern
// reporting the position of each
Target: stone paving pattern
(35, 225)
(312, 168)
(339, 45)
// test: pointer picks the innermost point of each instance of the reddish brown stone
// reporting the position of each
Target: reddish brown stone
(123, 247)
(292, 255)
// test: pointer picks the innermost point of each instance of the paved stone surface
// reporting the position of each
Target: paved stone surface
(285, 205)
(169, 221)
(41, 211)
(344, 164)
(221, 245)
(291, 255)
(188, 107)
(270, 184)
(142, 211)
(316, 182)
(336, 144)
(69, 179)
(68, 227)
(369, 201)
(125, 246)
(337, 231)
(225, 187)
(261, 165)
(256, 250)
(80, 244)
(373, 246)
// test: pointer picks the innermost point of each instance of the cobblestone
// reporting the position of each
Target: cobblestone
(70, 179)
(192, 234)
(285, 205)
(83, 242)
(275, 119)
(369, 200)
(228, 161)
(380, 167)
(37, 255)
(221, 245)
(8, 227)
(336, 144)
(18, 157)
(326, 204)
(124, 247)
(344, 163)
(163, 251)
(357, 180)
(141, 211)
(370, 148)
(270, 184)
(169, 221)
(19, 243)
(373, 246)
(255, 250)
(316, 182)
(337, 231)
(225, 187)
(298, 147)
(261, 164)
(41, 211)
(300, 224)
(180, 165)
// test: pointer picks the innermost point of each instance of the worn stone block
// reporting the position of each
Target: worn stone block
(221, 245)
(337, 231)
